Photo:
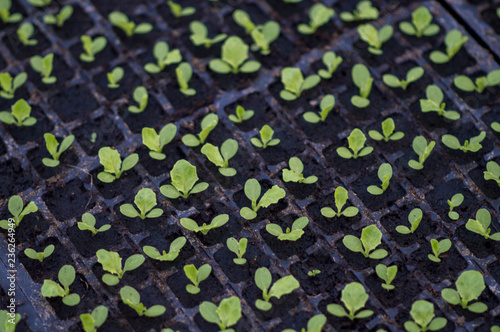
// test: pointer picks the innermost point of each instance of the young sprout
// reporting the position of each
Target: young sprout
(363, 80)
(423, 315)
(492, 172)
(114, 77)
(112, 263)
(216, 222)
(263, 36)
(420, 24)
(412, 75)
(375, 38)
(295, 84)
(130, 28)
(55, 149)
(481, 83)
(113, 165)
(141, 97)
(454, 41)
(91, 322)
(156, 142)
(9, 85)
(196, 276)
(341, 196)
(314, 324)
(19, 115)
(293, 234)
(239, 248)
(92, 47)
(319, 15)
(423, 150)
(5, 15)
(371, 237)
(364, 11)
(234, 58)
(354, 298)
(18, 211)
(331, 61)
(266, 138)
(164, 57)
(227, 314)
(184, 177)
(326, 105)
(132, 298)
(241, 115)
(356, 142)
(283, 286)
(25, 31)
(40, 256)
(473, 145)
(384, 174)
(145, 200)
(242, 18)
(388, 133)
(184, 72)
(9, 321)
(252, 192)
(199, 35)
(387, 274)
(220, 157)
(414, 218)
(313, 273)
(208, 124)
(173, 253)
(39, 3)
(66, 277)
(438, 248)
(455, 201)
(481, 225)
(294, 174)
(434, 103)
(88, 224)
(59, 18)
(470, 285)
(44, 66)
(178, 11)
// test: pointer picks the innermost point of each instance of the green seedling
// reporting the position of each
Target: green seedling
(455, 201)
(263, 36)
(384, 174)
(208, 124)
(434, 103)
(293, 234)
(227, 314)
(113, 165)
(196, 276)
(7, 17)
(242, 18)
(184, 178)
(412, 75)
(494, 125)
(331, 61)
(492, 172)
(184, 73)
(423, 150)
(199, 35)
(387, 274)
(295, 84)
(40, 256)
(145, 200)
(91, 47)
(114, 77)
(19, 115)
(55, 149)
(362, 79)
(18, 211)
(130, 28)
(241, 115)
(454, 41)
(239, 248)
(178, 11)
(216, 222)
(66, 277)
(356, 141)
(420, 24)
(364, 12)
(319, 15)
(9, 85)
(91, 322)
(481, 225)
(370, 239)
(414, 218)
(8, 323)
(294, 174)
(112, 263)
(464, 83)
(341, 196)
(220, 157)
(60, 18)
(164, 57)
(25, 31)
(252, 192)
(438, 248)
(388, 133)
(132, 298)
(472, 145)
(173, 252)
(326, 105)
(314, 324)
(354, 298)
(234, 58)
(375, 38)
(424, 318)
(39, 3)
(313, 273)
(283, 286)
(141, 97)
(156, 142)
(88, 224)
(44, 66)
(470, 285)
(266, 138)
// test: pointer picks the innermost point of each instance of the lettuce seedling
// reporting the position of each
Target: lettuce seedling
(283, 286)
(438, 248)
(294, 174)
(217, 221)
(18, 211)
(199, 35)
(455, 201)
(220, 157)
(354, 298)
(156, 142)
(294, 83)
(341, 196)
(434, 103)
(9, 85)
(326, 105)
(88, 224)
(388, 133)
(6, 16)
(19, 115)
(113, 165)
(454, 41)
(66, 277)
(384, 174)
(375, 38)
(414, 218)
(313, 273)
(184, 177)
(423, 150)
(183, 73)
(92, 47)
(178, 11)
(25, 31)
(481, 83)
(412, 75)
(132, 298)
(227, 314)
(371, 237)
(423, 315)
(114, 77)
(7, 322)
(470, 285)
(387, 274)
(234, 58)
(60, 18)
(141, 97)
(91, 322)
(362, 79)
(492, 172)
(239, 248)
(319, 15)
(164, 57)
(331, 61)
(112, 263)
(481, 225)
(55, 149)
(364, 11)
(289, 234)
(241, 115)
(242, 18)
(208, 124)
(44, 66)
(40, 256)
(173, 252)
(266, 138)
(263, 36)
(314, 324)
(356, 142)
(420, 24)
(145, 200)
(473, 145)
(252, 192)
(196, 276)
(130, 28)
(39, 3)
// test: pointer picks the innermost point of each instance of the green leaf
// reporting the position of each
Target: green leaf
(111, 261)
(133, 262)
(272, 196)
(183, 176)
(252, 189)
(354, 297)
(283, 286)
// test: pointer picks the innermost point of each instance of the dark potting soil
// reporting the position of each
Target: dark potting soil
(127, 84)
(156, 167)
(458, 63)
(347, 167)
(151, 116)
(67, 159)
(73, 103)
(68, 200)
(77, 25)
(23, 135)
(14, 178)
(107, 134)
(183, 106)
(123, 186)
(488, 187)
(376, 202)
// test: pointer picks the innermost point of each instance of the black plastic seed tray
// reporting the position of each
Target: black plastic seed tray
(80, 104)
